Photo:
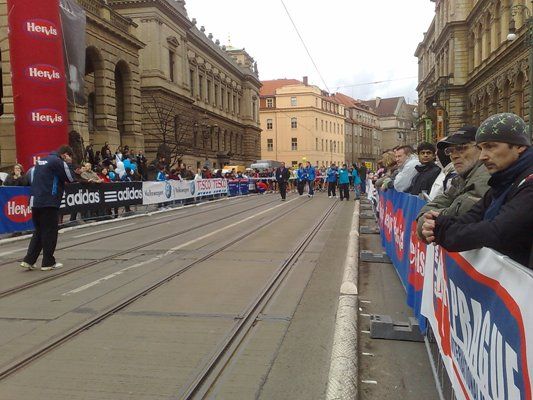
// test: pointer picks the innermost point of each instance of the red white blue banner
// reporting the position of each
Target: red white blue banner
(161, 192)
(477, 303)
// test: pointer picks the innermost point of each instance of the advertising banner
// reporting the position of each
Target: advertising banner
(161, 192)
(477, 303)
(38, 78)
(93, 196)
(73, 23)
(16, 210)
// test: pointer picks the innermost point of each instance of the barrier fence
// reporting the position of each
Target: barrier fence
(474, 307)
(15, 214)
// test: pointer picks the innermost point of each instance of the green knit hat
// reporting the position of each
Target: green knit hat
(504, 127)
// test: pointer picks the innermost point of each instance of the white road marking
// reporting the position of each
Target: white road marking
(167, 253)
(364, 315)
(5, 253)
(366, 301)
(368, 354)
(366, 332)
(369, 381)
(103, 230)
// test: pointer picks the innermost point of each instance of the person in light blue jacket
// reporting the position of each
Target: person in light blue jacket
(331, 178)
(301, 177)
(357, 181)
(310, 175)
(344, 183)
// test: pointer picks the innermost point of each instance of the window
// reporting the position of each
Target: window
(316, 144)
(223, 97)
(316, 123)
(270, 102)
(294, 144)
(208, 88)
(293, 102)
(270, 144)
(322, 124)
(269, 124)
(322, 148)
(201, 86)
(171, 63)
(191, 81)
(294, 123)
(254, 111)
(229, 102)
(216, 95)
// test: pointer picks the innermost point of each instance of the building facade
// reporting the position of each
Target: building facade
(362, 133)
(154, 82)
(112, 84)
(199, 98)
(397, 121)
(468, 69)
(301, 123)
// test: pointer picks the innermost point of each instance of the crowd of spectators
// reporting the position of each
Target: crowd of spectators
(478, 183)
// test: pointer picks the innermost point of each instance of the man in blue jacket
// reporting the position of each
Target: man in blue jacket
(331, 178)
(47, 179)
(311, 174)
(344, 183)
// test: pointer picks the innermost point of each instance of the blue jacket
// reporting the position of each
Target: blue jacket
(161, 176)
(343, 176)
(301, 174)
(332, 175)
(310, 171)
(356, 177)
(47, 181)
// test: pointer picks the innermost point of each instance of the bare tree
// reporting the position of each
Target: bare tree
(171, 130)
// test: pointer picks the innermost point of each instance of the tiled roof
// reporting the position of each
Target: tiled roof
(269, 87)
(386, 107)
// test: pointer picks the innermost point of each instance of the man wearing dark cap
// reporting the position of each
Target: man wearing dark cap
(471, 182)
(502, 219)
(47, 179)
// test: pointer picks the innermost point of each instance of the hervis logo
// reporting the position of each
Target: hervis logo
(17, 209)
(43, 73)
(41, 29)
(46, 118)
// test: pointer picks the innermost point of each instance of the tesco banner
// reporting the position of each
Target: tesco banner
(38, 78)
(477, 303)
(161, 192)
(16, 210)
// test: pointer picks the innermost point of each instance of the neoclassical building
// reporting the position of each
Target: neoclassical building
(468, 69)
(301, 123)
(112, 83)
(155, 81)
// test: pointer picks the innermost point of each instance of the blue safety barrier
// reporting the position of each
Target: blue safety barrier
(16, 212)
(233, 187)
(244, 186)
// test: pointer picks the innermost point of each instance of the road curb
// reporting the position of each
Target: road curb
(342, 380)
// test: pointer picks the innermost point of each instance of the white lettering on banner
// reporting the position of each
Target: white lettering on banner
(44, 72)
(48, 117)
(486, 361)
(42, 28)
(82, 197)
(14, 209)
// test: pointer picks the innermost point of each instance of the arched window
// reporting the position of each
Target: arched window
(519, 95)
(294, 123)
(505, 96)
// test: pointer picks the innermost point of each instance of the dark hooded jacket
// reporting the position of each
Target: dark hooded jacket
(427, 173)
(501, 220)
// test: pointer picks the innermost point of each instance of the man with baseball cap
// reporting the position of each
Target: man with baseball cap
(502, 219)
(471, 182)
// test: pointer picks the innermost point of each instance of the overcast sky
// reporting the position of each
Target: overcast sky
(353, 42)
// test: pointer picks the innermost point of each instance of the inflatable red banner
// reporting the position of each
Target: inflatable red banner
(38, 78)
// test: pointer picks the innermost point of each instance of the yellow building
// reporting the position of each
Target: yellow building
(468, 69)
(300, 122)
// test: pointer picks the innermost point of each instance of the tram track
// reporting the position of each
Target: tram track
(175, 218)
(205, 379)
(57, 341)
(64, 272)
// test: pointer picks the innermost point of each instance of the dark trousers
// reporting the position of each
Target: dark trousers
(311, 187)
(363, 185)
(331, 188)
(45, 221)
(283, 189)
(344, 189)
(300, 186)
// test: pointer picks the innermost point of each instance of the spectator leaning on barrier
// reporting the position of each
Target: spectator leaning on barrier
(16, 178)
(89, 175)
(502, 219)
(447, 172)
(471, 182)
(427, 170)
(47, 181)
(407, 161)
(362, 170)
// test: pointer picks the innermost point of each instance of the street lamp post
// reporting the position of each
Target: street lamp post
(516, 9)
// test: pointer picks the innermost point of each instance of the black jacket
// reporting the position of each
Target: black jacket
(282, 174)
(510, 232)
(427, 173)
(47, 181)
